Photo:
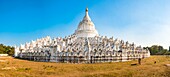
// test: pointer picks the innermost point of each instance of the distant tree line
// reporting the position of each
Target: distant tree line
(6, 50)
(157, 50)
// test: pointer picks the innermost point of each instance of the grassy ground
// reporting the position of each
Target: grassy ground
(10, 67)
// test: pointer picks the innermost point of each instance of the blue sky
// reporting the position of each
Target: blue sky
(145, 22)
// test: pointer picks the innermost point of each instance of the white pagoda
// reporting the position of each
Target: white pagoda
(84, 46)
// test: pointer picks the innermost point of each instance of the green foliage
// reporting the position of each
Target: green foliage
(167, 53)
(158, 50)
(6, 50)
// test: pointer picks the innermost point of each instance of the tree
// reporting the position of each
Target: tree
(157, 50)
(6, 50)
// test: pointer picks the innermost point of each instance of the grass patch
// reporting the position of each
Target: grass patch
(23, 69)
(148, 68)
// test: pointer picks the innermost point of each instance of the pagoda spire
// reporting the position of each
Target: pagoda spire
(86, 17)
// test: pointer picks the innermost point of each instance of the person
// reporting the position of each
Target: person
(139, 61)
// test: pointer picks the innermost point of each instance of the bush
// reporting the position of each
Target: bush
(167, 53)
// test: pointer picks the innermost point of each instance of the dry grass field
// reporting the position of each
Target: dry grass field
(11, 67)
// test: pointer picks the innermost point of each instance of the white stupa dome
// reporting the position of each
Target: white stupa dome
(86, 27)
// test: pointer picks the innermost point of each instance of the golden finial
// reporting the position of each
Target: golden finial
(86, 9)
